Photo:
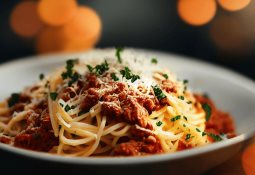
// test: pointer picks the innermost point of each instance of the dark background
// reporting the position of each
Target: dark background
(155, 24)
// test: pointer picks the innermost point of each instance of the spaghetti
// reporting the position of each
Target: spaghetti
(110, 108)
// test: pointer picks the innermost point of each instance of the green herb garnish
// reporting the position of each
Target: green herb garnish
(90, 68)
(53, 95)
(126, 72)
(154, 61)
(13, 99)
(159, 123)
(119, 50)
(203, 133)
(189, 102)
(158, 92)
(207, 110)
(67, 108)
(99, 69)
(41, 76)
(114, 77)
(181, 97)
(81, 113)
(206, 95)
(198, 130)
(185, 81)
(69, 68)
(176, 118)
(188, 136)
(166, 76)
(185, 118)
(215, 137)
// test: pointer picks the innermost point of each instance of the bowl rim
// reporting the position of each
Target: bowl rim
(111, 161)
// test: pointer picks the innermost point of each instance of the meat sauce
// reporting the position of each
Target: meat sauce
(119, 103)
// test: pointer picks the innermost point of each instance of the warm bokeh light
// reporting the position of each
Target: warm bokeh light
(248, 160)
(24, 19)
(57, 12)
(228, 35)
(50, 40)
(197, 12)
(78, 34)
(233, 5)
(86, 25)
(78, 45)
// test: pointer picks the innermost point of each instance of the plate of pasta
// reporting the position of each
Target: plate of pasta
(117, 107)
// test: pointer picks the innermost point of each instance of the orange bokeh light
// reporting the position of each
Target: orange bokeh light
(234, 5)
(24, 19)
(57, 12)
(50, 40)
(227, 34)
(248, 160)
(86, 25)
(79, 34)
(197, 12)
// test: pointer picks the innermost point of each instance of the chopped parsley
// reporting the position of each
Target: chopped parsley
(126, 72)
(185, 81)
(119, 50)
(61, 105)
(53, 95)
(90, 68)
(67, 108)
(41, 76)
(207, 110)
(215, 137)
(198, 130)
(99, 69)
(176, 118)
(159, 123)
(184, 125)
(74, 76)
(188, 136)
(69, 68)
(13, 99)
(134, 78)
(158, 92)
(166, 76)
(203, 133)
(114, 77)
(206, 95)
(81, 112)
(181, 97)
(189, 102)
(154, 61)
(185, 118)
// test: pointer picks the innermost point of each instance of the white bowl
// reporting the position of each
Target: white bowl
(230, 91)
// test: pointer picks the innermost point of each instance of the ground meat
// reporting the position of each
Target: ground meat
(91, 98)
(37, 139)
(20, 104)
(168, 86)
(4, 139)
(92, 81)
(220, 122)
(112, 110)
(147, 103)
(135, 148)
(67, 94)
(183, 146)
(134, 113)
(38, 133)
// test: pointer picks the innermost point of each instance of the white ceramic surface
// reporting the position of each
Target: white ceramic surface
(230, 91)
